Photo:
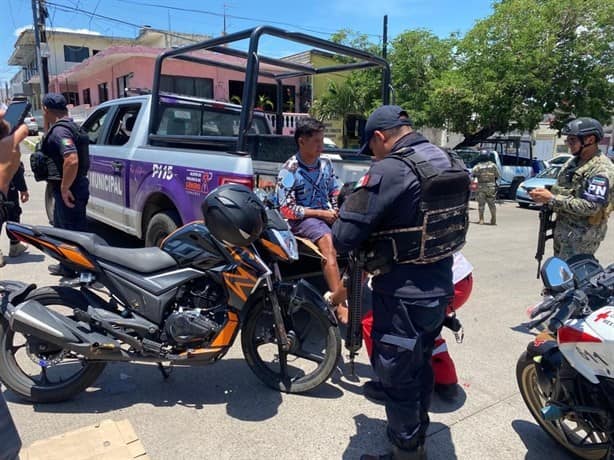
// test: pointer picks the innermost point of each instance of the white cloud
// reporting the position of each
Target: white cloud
(18, 31)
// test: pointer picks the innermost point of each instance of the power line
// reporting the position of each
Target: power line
(194, 10)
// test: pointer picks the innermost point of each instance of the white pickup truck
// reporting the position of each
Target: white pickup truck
(155, 157)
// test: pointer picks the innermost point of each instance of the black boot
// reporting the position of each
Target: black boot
(373, 391)
(399, 454)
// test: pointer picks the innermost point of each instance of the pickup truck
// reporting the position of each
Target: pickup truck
(513, 168)
(155, 157)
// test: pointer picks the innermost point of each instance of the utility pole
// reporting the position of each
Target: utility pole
(385, 38)
(39, 13)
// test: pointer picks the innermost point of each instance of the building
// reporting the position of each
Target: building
(66, 49)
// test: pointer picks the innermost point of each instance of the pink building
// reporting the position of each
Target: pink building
(120, 71)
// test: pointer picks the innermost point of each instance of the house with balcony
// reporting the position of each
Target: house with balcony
(66, 49)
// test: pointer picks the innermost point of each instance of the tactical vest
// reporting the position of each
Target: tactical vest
(50, 167)
(441, 223)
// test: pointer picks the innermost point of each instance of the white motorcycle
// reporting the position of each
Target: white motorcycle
(566, 376)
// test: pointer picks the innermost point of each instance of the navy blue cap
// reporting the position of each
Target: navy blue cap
(383, 118)
(54, 101)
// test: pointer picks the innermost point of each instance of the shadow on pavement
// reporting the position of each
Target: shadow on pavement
(539, 445)
(442, 406)
(229, 382)
(26, 257)
(371, 438)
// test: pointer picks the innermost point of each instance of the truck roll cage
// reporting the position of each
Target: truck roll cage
(277, 69)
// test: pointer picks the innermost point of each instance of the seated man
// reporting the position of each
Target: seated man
(307, 190)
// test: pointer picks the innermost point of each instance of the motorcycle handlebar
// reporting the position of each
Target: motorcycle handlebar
(577, 300)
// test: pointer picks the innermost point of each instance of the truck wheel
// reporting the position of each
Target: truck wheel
(49, 202)
(160, 226)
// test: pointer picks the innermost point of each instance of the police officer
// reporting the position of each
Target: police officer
(487, 174)
(582, 196)
(409, 299)
(71, 189)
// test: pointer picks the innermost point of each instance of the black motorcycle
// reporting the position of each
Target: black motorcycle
(182, 303)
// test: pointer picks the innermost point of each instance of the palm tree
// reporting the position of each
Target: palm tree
(263, 102)
(340, 100)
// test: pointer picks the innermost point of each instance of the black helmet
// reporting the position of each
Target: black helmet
(234, 214)
(581, 127)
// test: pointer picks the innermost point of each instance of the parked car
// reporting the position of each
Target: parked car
(329, 143)
(544, 179)
(559, 160)
(32, 125)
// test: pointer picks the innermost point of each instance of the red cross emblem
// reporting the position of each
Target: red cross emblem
(603, 315)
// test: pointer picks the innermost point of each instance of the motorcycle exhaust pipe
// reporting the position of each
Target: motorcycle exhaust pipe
(32, 318)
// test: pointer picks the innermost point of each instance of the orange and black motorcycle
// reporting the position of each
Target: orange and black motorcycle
(182, 303)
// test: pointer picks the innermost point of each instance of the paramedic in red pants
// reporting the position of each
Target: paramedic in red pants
(446, 380)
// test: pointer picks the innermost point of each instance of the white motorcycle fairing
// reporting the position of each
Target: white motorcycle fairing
(588, 344)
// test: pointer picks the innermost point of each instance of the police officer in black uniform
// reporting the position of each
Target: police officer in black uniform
(71, 189)
(411, 289)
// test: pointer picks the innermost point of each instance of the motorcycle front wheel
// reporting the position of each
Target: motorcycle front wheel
(41, 372)
(315, 347)
(571, 431)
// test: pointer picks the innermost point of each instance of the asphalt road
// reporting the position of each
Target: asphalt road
(223, 411)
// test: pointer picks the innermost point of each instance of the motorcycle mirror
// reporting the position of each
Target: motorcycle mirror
(557, 275)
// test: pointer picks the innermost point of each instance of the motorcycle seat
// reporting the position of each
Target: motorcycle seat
(142, 260)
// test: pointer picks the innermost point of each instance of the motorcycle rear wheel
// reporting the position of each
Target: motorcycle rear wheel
(48, 381)
(310, 361)
(526, 376)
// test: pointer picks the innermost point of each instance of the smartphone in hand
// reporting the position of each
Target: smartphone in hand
(16, 114)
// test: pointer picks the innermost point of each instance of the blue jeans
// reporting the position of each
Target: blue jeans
(404, 332)
(72, 218)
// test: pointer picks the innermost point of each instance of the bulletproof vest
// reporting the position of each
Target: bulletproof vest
(82, 144)
(441, 223)
(486, 173)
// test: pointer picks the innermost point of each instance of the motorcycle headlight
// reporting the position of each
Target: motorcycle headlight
(286, 239)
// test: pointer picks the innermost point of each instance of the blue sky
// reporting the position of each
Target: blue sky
(318, 17)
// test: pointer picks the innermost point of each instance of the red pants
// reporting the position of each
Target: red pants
(443, 366)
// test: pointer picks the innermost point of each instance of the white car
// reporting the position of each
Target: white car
(329, 143)
(558, 160)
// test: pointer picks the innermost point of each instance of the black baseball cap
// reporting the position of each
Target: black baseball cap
(383, 118)
(54, 101)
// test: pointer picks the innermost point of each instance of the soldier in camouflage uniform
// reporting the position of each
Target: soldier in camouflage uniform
(486, 173)
(582, 196)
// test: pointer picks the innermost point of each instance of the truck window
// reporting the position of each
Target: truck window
(123, 122)
(94, 124)
(205, 121)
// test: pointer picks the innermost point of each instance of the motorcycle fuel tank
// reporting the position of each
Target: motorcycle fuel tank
(193, 245)
(588, 344)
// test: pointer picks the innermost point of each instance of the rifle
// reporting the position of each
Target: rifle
(353, 283)
(546, 224)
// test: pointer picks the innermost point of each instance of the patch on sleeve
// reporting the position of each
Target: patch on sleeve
(362, 182)
(68, 142)
(359, 200)
(597, 189)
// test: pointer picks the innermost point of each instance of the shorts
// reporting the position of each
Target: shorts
(311, 228)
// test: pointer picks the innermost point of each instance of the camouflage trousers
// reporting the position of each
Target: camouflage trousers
(572, 238)
(483, 197)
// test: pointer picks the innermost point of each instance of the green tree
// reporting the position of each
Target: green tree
(418, 58)
(530, 57)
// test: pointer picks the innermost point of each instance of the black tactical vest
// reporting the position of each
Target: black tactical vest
(82, 144)
(441, 223)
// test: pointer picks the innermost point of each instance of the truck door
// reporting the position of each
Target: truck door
(109, 166)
